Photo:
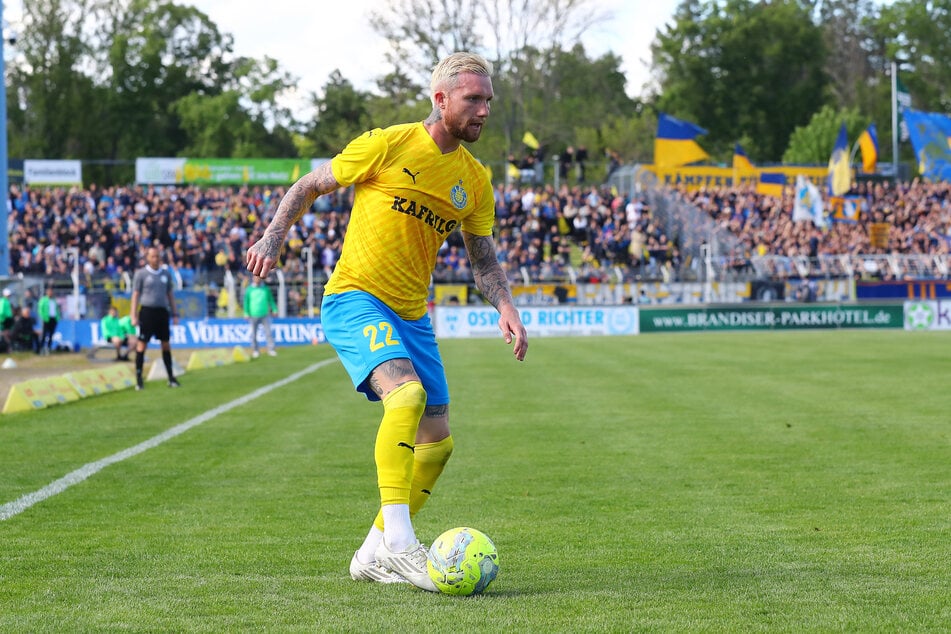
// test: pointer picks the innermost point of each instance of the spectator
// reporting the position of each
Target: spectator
(6, 317)
(112, 226)
(259, 306)
(25, 335)
(564, 164)
(581, 159)
(111, 330)
(48, 309)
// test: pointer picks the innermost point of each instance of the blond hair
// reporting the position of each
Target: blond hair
(449, 68)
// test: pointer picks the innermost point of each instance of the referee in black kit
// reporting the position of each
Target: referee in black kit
(153, 302)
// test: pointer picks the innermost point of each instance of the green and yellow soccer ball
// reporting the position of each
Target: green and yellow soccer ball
(463, 561)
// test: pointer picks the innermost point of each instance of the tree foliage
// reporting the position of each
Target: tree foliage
(812, 144)
(53, 108)
(117, 79)
(851, 49)
(111, 80)
(341, 115)
(741, 67)
(917, 36)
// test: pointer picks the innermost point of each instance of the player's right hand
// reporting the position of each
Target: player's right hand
(262, 256)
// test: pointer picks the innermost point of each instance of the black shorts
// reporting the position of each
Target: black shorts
(153, 322)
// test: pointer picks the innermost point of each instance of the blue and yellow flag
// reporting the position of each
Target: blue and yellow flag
(868, 143)
(840, 173)
(807, 206)
(847, 208)
(675, 144)
(930, 134)
(771, 184)
(741, 162)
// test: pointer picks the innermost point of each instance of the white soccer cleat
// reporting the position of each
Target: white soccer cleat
(360, 571)
(409, 563)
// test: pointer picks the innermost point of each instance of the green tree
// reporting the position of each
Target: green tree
(741, 68)
(111, 80)
(245, 120)
(420, 32)
(916, 34)
(812, 143)
(157, 53)
(522, 39)
(583, 93)
(846, 27)
(342, 114)
(54, 109)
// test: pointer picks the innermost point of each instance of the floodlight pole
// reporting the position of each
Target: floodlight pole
(4, 161)
(73, 252)
(895, 121)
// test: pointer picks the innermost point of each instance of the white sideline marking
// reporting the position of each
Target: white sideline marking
(10, 509)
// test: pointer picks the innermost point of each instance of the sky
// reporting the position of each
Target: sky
(310, 44)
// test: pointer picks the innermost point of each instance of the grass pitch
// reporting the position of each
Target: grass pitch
(712, 482)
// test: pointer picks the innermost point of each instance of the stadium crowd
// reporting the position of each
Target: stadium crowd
(206, 230)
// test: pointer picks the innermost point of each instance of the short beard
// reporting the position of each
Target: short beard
(463, 135)
(459, 132)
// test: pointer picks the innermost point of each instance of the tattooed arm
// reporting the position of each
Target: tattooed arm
(263, 254)
(490, 280)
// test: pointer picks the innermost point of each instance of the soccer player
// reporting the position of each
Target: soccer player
(414, 184)
(258, 307)
(153, 302)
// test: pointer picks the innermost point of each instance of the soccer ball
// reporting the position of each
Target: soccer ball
(462, 561)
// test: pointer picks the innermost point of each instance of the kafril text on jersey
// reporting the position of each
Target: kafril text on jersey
(424, 213)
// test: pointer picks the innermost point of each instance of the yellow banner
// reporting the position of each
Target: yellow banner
(697, 176)
(450, 294)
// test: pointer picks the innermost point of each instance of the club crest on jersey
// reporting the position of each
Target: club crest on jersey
(458, 196)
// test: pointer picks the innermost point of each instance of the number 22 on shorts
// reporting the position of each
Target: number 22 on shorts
(380, 335)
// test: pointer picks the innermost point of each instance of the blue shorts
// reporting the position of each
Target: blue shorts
(365, 332)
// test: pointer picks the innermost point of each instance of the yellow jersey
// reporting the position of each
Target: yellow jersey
(408, 198)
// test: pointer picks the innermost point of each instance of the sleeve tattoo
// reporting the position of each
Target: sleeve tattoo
(295, 202)
(488, 275)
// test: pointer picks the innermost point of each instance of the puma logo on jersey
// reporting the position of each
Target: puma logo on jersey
(410, 447)
(410, 174)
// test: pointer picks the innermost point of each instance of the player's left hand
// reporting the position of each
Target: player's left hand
(510, 323)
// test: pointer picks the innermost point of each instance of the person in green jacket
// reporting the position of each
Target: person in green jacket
(111, 330)
(6, 317)
(258, 307)
(129, 333)
(50, 314)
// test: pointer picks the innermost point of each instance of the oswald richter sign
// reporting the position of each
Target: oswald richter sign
(553, 321)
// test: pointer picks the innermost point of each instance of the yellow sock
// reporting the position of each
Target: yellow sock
(430, 460)
(402, 409)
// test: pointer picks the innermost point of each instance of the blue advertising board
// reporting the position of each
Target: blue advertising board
(203, 333)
